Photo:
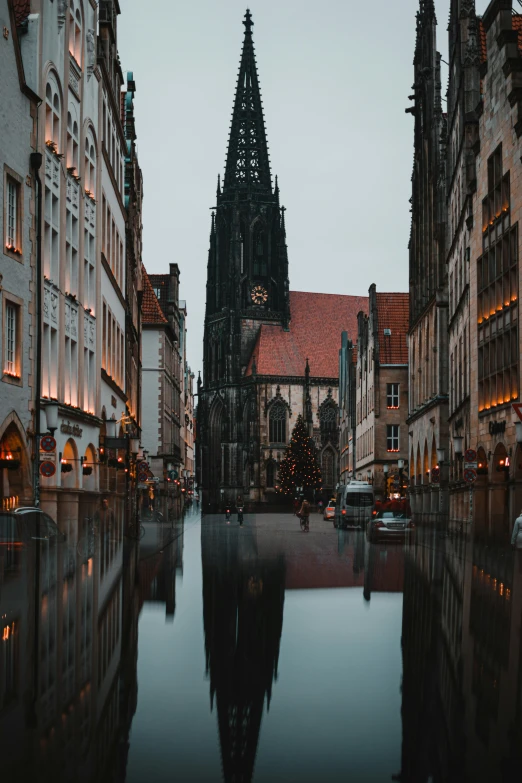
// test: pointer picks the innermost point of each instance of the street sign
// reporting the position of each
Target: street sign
(470, 475)
(143, 466)
(173, 474)
(470, 455)
(517, 407)
(142, 477)
(47, 469)
(471, 465)
(153, 480)
(48, 443)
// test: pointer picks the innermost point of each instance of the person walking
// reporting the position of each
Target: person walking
(304, 513)
(297, 504)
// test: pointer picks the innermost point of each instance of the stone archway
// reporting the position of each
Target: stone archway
(16, 487)
(69, 478)
(498, 495)
(90, 469)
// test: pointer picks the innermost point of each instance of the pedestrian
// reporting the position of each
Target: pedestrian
(320, 506)
(516, 538)
(304, 513)
(297, 504)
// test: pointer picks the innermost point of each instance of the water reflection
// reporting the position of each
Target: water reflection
(243, 598)
(68, 656)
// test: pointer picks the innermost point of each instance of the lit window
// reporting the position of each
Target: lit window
(11, 359)
(392, 395)
(392, 437)
(13, 190)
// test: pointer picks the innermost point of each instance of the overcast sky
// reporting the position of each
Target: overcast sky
(335, 78)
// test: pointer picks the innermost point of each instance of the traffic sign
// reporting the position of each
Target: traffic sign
(470, 475)
(48, 443)
(472, 465)
(470, 455)
(517, 407)
(143, 465)
(142, 477)
(173, 474)
(47, 469)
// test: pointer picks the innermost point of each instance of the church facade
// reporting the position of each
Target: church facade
(269, 354)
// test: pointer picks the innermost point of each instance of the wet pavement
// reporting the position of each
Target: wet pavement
(210, 652)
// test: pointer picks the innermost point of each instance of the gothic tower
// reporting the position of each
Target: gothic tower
(247, 285)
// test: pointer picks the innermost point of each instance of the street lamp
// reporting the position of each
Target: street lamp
(51, 414)
(458, 441)
(441, 453)
(134, 446)
(110, 428)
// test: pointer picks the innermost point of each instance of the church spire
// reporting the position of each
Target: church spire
(247, 166)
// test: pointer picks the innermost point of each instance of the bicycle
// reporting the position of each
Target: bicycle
(305, 524)
(88, 544)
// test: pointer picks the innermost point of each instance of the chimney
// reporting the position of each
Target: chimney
(498, 13)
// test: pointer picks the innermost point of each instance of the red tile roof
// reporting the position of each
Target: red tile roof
(393, 311)
(151, 312)
(317, 321)
(22, 9)
(516, 21)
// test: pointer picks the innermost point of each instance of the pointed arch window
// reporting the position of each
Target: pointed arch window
(327, 468)
(90, 165)
(328, 418)
(52, 114)
(75, 32)
(72, 141)
(277, 423)
(259, 252)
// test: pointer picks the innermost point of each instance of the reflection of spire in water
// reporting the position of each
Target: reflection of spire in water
(243, 598)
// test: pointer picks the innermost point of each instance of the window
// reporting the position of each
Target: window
(90, 166)
(52, 115)
(392, 395)
(10, 365)
(277, 424)
(12, 235)
(392, 437)
(157, 291)
(75, 32)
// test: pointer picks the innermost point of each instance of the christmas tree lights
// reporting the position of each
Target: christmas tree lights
(299, 468)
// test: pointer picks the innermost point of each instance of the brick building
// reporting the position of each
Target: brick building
(428, 324)
(381, 388)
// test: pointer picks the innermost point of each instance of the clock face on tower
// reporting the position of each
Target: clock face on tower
(259, 295)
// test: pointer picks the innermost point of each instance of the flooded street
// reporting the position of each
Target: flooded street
(210, 652)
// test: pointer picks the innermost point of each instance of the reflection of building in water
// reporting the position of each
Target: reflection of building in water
(383, 568)
(68, 673)
(243, 597)
(158, 564)
(462, 663)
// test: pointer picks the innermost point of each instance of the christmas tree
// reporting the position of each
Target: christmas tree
(299, 468)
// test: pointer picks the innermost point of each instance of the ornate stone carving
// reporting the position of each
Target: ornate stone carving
(91, 52)
(74, 322)
(67, 318)
(46, 303)
(54, 307)
(62, 10)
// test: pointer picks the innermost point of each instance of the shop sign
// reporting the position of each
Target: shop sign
(71, 429)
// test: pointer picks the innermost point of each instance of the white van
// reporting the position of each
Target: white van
(354, 505)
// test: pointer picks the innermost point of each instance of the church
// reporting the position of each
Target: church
(270, 354)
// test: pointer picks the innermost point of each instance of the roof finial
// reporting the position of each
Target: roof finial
(218, 191)
(248, 22)
(283, 226)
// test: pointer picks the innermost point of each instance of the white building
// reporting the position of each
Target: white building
(18, 110)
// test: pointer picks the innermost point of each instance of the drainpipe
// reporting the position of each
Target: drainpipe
(36, 163)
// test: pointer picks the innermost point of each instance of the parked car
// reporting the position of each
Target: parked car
(391, 525)
(329, 512)
(25, 524)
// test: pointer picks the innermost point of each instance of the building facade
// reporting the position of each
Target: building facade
(381, 390)
(495, 277)
(428, 327)
(463, 98)
(161, 399)
(187, 404)
(17, 262)
(347, 409)
(269, 354)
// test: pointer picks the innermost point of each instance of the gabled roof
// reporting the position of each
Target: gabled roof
(151, 312)
(160, 283)
(317, 321)
(393, 313)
